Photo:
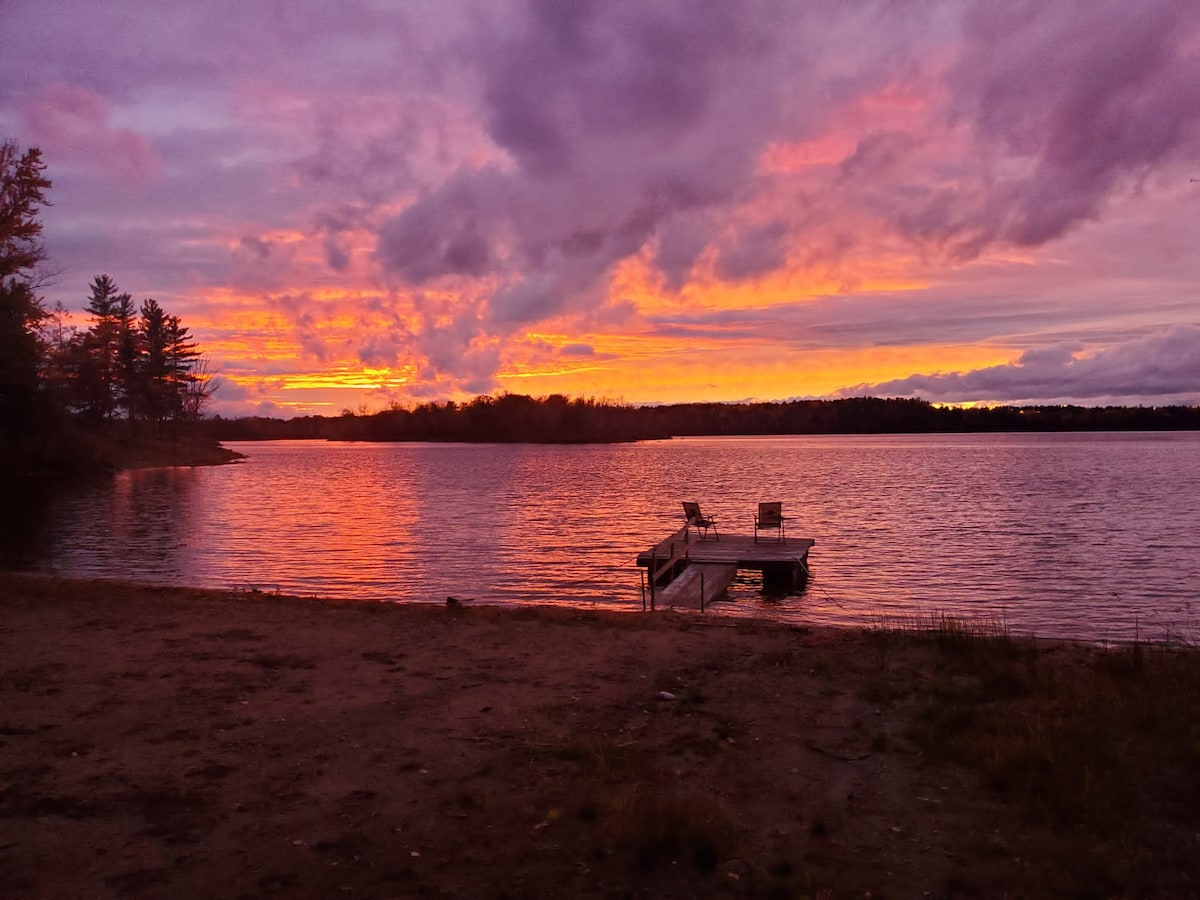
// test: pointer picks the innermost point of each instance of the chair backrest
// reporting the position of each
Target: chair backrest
(770, 515)
(692, 511)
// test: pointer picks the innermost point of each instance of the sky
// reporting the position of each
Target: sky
(367, 203)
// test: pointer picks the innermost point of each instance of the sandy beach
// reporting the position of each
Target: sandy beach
(167, 742)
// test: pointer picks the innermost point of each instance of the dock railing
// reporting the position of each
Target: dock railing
(675, 549)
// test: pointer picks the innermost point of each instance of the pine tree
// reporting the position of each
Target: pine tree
(22, 194)
(100, 377)
(173, 380)
(181, 359)
(128, 355)
(154, 385)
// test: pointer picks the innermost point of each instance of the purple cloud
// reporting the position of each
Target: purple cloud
(616, 117)
(77, 124)
(1085, 94)
(1164, 365)
(471, 170)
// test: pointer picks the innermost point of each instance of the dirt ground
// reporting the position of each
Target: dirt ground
(163, 742)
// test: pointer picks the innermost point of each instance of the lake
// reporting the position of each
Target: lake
(1093, 536)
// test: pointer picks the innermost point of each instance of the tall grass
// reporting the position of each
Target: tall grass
(642, 807)
(1104, 745)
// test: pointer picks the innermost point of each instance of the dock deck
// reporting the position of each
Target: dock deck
(685, 571)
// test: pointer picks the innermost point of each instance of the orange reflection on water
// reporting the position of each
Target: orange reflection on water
(548, 524)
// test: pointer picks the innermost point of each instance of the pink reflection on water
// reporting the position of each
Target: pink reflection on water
(1061, 535)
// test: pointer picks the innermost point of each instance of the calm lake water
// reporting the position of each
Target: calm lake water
(1064, 535)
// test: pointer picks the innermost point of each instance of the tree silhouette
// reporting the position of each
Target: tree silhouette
(98, 365)
(154, 400)
(22, 194)
(75, 400)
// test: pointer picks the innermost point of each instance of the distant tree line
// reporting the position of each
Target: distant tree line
(502, 419)
(516, 417)
(133, 373)
(874, 415)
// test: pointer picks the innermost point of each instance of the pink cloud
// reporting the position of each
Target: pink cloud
(73, 123)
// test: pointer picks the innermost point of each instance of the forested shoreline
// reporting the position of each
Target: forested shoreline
(558, 419)
(130, 386)
(127, 388)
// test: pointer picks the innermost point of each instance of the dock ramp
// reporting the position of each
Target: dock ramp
(698, 585)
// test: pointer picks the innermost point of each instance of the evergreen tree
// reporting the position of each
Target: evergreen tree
(128, 355)
(56, 381)
(154, 384)
(173, 381)
(22, 194)
(181, 359)
(100, 369)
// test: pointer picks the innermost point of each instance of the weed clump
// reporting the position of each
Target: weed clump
(1101, 744)
(664, 824)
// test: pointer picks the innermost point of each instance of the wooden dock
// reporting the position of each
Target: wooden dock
(685, 571)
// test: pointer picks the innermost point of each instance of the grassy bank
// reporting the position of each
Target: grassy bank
(1097, 750)
(199, 743)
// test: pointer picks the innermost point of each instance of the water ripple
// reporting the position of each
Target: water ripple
(1091, 536)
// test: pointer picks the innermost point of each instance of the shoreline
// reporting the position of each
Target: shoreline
(171, 454)
(200, 743)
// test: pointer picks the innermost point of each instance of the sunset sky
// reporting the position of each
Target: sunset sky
(359, 203)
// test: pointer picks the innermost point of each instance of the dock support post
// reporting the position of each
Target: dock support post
(653, 575)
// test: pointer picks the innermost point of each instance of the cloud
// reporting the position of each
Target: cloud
(617, 119)
(432, 183)
(753, 252)
(446, 233)
(73, 123)
(1074, 99)
(233, 409)
(1165, 364)
(598, 73)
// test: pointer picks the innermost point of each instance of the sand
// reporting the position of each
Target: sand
(165, 742)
